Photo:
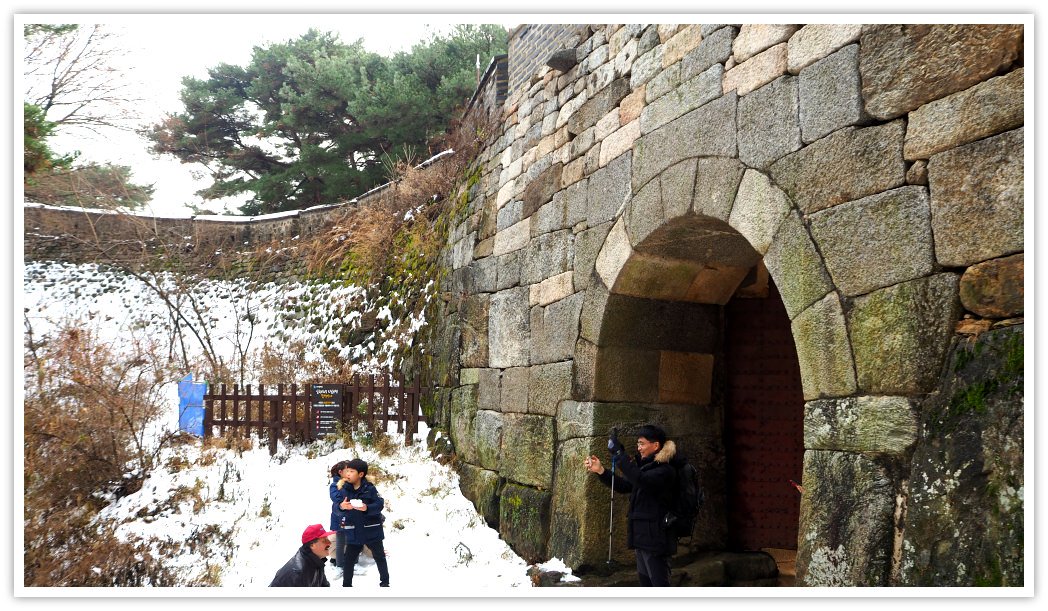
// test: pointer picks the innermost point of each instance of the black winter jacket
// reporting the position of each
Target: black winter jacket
(304, 570)
(650, 483)
(359, 527)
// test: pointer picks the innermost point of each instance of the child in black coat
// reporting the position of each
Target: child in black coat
(357, 508)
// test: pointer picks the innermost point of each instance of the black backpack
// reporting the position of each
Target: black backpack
(684, 505)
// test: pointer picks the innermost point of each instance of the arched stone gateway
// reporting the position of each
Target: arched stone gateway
(629, 200)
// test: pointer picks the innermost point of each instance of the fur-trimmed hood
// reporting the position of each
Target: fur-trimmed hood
(666, 452)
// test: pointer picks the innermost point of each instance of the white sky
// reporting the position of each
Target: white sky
(160, 56)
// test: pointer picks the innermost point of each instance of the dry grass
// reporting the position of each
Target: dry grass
(365, 234)
(86, 408)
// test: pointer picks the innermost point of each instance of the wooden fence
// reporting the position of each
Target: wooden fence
(291, 413)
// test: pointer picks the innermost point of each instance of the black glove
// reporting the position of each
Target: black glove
(614, 445)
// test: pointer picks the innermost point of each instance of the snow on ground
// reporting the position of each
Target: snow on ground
(256, 507)
(238, 516)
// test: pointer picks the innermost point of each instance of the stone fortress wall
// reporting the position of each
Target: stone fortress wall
(872, 173)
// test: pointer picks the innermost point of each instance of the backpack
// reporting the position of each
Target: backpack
(684, 505)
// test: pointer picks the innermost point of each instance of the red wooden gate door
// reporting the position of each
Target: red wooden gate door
(764, 424)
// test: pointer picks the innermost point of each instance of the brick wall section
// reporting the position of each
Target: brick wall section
(492, 89)
(531, 44)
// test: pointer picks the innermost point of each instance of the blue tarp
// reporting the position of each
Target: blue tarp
(191, 405)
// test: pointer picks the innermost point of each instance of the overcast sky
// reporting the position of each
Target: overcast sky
(165, 48)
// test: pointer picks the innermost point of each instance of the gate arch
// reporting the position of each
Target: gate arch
(652, 343)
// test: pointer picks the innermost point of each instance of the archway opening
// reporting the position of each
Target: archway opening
(694, 335)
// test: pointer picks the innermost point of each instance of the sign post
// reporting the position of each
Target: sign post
(326, 408)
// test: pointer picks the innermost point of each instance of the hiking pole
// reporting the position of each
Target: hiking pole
(611, 504)
(613, 446)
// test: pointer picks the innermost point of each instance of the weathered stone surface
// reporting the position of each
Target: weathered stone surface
(678, 187)
(586, 419)
(918, 173)
(685, 378)
(626, 375)
(830, 96)
(515, 390)
(474, 315)
(562, 60)
(878, 425)
(977, 190)
(613, 254)
(704, 132)
(551, 289)
(710, 28)
(508, 270)
(900, 334)
(509, 215)
(463, 413)
(683, 41)
(598, 105)
(796, 266)
(489, 389)
(481, 486)
(579, 530)
(644, 213)
(754, 38)
(994, 289)
(550, 384)
(618, 142)
(513, 238)
(757, 71)
(552, 216)
(817, 40)
(845, 548)
(965, 512)
(555, 329)
(607, 125)
(769, 127)
(485, 276)
(876, 241)
(541, 189)
(526, 443)
(646, 67)
(690, 95)
(846, 165)
(632, 105)
(488, 429)
(905, 66)
(505, 193)
(569, 108)
(714, 49)
(716, 185)
(989, 108)
(824, 350)
(759, 208)
(509, 334)
(524, 517)
(607, 190)
(587, 245)
(575, 197)
(662, 83)
(632, 322)
(546, 256)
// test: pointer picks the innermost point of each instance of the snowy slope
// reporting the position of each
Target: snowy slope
(233, 518)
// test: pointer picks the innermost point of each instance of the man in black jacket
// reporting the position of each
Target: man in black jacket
(649, 478)
(306, 567)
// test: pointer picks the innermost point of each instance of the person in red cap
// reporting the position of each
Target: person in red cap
(306, 567)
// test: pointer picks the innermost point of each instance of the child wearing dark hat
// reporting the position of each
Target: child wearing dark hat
(357, 508)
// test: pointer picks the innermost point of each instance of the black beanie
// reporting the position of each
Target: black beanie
(358, 465)
(652, 433)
